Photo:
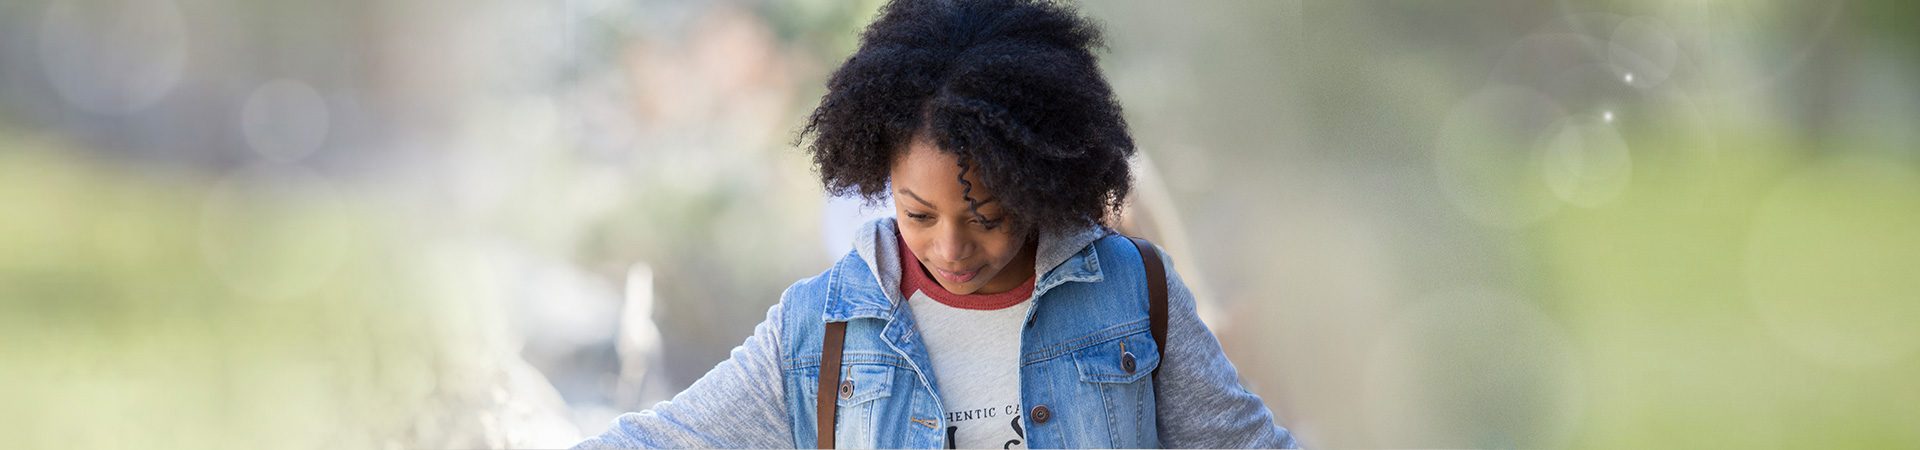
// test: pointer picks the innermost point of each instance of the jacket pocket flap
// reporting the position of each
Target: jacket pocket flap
(1124, 359)
(868, 382)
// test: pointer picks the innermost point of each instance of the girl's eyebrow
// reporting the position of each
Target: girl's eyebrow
(923, 201)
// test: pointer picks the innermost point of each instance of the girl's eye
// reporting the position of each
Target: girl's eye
(919, 216)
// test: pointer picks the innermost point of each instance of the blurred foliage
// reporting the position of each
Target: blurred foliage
(120, 329)
(1763, 300)
(1588, 224)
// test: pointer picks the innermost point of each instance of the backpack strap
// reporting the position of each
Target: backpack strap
(1157, 291)
(830, 346)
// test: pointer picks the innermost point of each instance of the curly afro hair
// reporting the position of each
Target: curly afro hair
(1010, 87)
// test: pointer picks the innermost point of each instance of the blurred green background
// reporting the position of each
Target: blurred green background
(439, 224)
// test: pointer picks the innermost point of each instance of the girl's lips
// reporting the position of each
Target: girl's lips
(957, 277)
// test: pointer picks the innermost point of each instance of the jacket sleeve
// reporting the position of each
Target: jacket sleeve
(738, 404)
(1201, 403)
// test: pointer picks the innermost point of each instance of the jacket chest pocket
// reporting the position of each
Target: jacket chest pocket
(1120, 373)
(859, 398)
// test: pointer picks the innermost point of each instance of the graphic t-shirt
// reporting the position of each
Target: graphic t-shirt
(974, 342)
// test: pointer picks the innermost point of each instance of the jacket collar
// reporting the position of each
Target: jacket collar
(869, 286)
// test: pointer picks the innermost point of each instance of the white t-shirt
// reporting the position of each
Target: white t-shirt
(974, 342)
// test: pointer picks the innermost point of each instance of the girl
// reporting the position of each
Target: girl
(994, 310)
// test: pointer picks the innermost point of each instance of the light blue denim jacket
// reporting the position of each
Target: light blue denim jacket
(1090, 300)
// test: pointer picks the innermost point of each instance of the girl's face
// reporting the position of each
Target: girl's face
(963, 254)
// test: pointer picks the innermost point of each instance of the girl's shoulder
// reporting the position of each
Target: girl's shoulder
(849, 274)
(835, 294)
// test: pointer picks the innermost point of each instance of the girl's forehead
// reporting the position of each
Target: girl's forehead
(924, 164)
(927, 174)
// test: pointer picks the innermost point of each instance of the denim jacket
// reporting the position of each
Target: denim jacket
(1090, 300)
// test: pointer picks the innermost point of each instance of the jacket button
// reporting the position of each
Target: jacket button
(1126, 362)
(846, 389)
(1041, 414)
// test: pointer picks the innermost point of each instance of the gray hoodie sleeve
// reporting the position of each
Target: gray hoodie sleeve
(1201, 402)
(739, 404)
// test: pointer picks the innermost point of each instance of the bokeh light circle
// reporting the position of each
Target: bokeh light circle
(1586, 164)
(1643, 51)
(113, 57)
(1486, 156)
(285, 120)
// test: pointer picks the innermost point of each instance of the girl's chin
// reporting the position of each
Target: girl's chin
(963, 289)
(974, 287)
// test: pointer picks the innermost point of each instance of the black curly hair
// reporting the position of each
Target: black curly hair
(1010, 87)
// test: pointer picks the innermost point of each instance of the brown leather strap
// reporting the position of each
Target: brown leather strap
(825, 398)
(1157, 290)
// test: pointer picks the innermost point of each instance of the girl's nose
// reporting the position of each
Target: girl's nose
(953, 245)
